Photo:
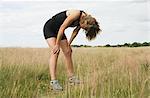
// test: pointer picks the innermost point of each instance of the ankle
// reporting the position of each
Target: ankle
(71, 75)
(53, 78)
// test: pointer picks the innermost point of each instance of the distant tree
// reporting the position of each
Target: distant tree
(107, 45)
(81, 45)
(119, 45)
(75, 45)
(84, 46)
(145, 44)
(126, 45)
(114, 46)
(135, 44)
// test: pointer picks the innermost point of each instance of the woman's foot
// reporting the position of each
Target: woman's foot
(74, 80)
(55, 85)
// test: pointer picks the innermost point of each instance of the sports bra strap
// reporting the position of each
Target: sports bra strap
(81, 13)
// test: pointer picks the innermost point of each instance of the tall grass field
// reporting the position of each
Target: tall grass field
(105, 72)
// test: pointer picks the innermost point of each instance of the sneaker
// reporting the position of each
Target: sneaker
(74, 80)
(55, 85)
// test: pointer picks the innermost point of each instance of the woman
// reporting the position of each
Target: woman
(54, 34)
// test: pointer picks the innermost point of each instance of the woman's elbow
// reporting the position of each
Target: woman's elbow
(61, 30)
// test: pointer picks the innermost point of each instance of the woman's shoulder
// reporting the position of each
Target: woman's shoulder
(72, 11)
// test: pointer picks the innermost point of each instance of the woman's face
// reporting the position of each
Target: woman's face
(84, 25)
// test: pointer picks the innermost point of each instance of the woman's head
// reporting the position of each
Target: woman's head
(90, 25)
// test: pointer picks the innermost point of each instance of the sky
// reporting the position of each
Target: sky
(121, 21)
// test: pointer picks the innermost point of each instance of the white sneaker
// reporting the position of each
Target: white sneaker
(74, 80)
(55, 85)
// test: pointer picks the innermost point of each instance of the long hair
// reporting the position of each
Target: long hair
(93, 27)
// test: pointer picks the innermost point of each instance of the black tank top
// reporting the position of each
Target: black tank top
(57, 20)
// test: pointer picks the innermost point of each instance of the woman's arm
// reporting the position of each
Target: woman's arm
(66, 23)
(73, 16)
(74, 34)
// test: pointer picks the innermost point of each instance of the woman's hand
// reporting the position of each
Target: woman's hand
(56, 49)
(69, 48)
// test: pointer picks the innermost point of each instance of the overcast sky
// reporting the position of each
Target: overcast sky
(122, 21)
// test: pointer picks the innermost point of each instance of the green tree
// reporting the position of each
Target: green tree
(145, 44)
(107, 45)
(135, 44)
(126, 45)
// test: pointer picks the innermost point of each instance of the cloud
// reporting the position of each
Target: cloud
(70, 0)
(121, 21)
(139, 1)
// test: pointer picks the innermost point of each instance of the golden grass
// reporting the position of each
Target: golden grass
(106, 72)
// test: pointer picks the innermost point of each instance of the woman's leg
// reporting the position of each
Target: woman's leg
(69, 64)
(53, 58)
(68, 56)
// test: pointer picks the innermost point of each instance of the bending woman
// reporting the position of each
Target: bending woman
(54, 34)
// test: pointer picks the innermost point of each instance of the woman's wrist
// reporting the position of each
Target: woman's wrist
(69, 43)
(57, 43)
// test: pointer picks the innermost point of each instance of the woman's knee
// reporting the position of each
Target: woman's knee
(68, 52)
(54, 54)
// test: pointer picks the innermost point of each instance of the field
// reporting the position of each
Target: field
(106, 73)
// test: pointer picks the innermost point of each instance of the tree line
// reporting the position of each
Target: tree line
(134, 44)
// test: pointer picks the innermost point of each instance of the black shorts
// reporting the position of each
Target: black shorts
(49, 31)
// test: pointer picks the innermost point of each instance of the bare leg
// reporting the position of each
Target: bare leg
(68, 57)
(53, 58)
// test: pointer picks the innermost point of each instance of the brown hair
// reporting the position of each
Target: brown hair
(92, 28)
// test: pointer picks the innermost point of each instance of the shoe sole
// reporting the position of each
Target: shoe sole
(56, 89)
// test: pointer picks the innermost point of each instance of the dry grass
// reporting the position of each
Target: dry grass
(106, 72)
